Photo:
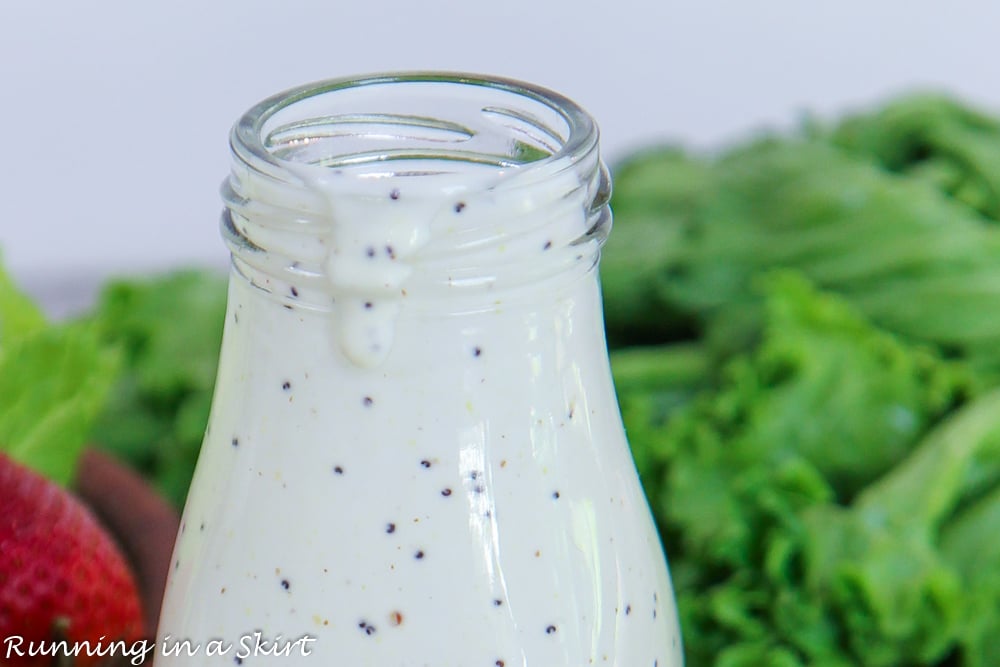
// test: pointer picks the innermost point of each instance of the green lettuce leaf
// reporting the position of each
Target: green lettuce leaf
(824, 405)
(54, 380)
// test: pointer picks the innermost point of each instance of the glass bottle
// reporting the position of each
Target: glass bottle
(415, 455)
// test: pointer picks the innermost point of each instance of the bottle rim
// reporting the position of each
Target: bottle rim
(249, 142)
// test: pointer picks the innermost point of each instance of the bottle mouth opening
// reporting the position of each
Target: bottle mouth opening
(418, 125)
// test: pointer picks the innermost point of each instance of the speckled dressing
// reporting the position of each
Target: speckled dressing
(421, 472)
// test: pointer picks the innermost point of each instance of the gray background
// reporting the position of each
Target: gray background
(115, 113)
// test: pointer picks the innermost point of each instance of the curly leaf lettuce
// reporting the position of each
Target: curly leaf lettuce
(823, 406)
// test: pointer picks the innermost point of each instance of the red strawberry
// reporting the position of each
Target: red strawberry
(61, 574)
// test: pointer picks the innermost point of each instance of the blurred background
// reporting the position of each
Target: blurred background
(115, 113)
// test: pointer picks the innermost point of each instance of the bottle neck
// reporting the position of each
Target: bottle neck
(458, 211)
(411, 242)
(383, 258)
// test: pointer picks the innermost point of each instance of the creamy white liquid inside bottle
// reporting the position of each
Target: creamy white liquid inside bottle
(415, 457)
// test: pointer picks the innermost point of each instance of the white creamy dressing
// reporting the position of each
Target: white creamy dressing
(381, 236)
(415, 454)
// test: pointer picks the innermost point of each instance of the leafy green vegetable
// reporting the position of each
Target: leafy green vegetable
(652, 384)
(823, 406)
(53, 381)
(885, 241)
(938, 141)
(170, 328)
(969, 542)
(820, 445)
(653, 195)
(880, 562)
